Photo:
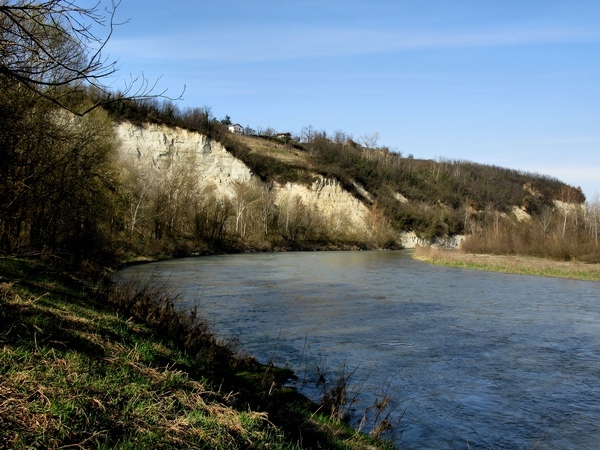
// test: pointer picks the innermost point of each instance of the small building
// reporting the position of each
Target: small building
(236, 128)
(284, 136)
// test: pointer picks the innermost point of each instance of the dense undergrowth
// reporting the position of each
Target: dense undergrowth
(569, 233)
(90, 366)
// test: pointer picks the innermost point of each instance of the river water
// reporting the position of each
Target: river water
(470, 359)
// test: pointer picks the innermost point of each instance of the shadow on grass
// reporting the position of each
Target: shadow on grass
(49, 315)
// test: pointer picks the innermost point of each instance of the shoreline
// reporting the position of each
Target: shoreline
(133, 260)
(513, 264)
(183, 384)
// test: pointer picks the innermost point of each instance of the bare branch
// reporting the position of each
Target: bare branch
(53, 49)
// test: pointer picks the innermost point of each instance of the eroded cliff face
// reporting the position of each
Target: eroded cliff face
(331, 199)
(160, 148)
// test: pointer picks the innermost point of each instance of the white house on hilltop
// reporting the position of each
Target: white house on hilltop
(236, 128)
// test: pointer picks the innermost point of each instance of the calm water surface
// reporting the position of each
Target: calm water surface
(471, 359)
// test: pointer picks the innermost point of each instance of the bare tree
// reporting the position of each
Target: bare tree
(341, 137)
(594, 218)
(54, 48)
(568, 196)
(246, 195)
(307, 134)
(545, 218)
(370, 140)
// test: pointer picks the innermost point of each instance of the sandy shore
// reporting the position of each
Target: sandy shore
(526, 265)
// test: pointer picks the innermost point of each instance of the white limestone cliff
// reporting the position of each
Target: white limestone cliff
(159, 148)
(330, 198)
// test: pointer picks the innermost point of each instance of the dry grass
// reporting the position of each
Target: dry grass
(53, 391)
(279, 151)
(526, 265)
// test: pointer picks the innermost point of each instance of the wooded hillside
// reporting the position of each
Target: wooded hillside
(429, 197)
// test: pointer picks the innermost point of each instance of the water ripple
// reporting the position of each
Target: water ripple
(495, 360)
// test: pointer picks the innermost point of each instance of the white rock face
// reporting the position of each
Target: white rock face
(520, 214)
(329, 198)
(568, 208)
(159, 148)
(411, 240)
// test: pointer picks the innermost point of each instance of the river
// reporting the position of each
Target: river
(470, 359)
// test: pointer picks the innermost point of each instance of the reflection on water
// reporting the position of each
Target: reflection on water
(471, 359)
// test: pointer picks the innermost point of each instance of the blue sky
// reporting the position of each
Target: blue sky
(510, 83)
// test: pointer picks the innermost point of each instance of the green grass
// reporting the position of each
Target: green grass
(85, 366)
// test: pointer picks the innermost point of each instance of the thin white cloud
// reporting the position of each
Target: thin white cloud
(293, 42)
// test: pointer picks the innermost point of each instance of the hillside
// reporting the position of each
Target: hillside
(396, 196)
(186, 186)
(498, 210)
(406, 187)
(431, 197)
(142, 177)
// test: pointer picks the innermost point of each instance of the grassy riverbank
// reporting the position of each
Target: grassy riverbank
(524, 265)
(85, 366)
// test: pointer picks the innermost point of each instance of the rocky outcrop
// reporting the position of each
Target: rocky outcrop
(161, 148)
(330, 198)
(411, 240)
(520, 214)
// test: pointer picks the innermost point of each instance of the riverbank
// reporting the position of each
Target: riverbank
(172, 249)
(84, 365)
(523, 265)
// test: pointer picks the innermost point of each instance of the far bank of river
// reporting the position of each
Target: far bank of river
(523, 265)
